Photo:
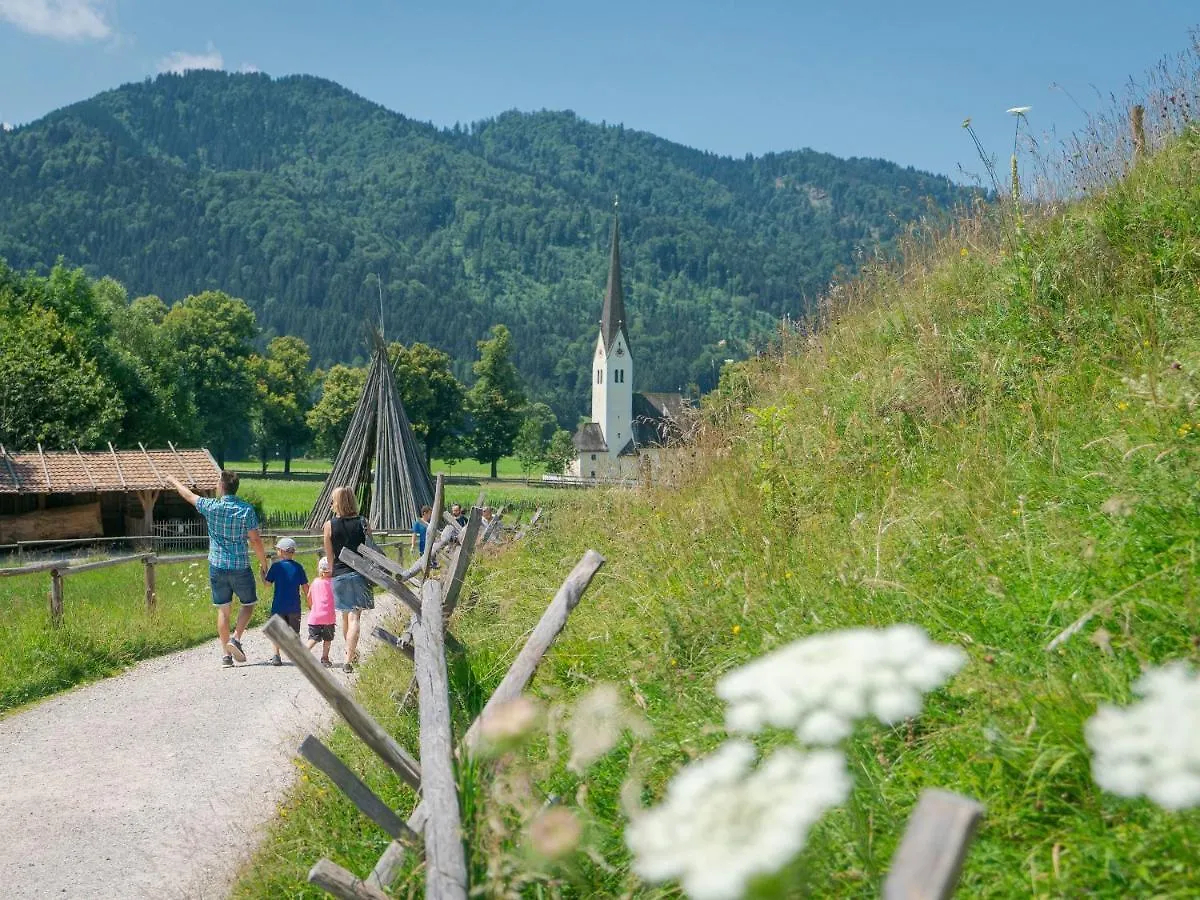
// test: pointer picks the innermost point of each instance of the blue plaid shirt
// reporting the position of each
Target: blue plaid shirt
(230, 520)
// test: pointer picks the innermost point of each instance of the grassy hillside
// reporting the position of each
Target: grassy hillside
(989, 442)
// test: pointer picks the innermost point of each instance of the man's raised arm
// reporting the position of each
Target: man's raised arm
(183, 490)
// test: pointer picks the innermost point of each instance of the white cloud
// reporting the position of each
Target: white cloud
(181, 61)
(249, 69)
(7, 126)
(63, 20)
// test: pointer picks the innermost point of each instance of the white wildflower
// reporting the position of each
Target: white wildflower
(1150, 748)
(1018, 110)
(724, 823)
(820, 685)
(596, 725)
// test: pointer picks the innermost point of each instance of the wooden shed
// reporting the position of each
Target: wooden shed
(58, 495)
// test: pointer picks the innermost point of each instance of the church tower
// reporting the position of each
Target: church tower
(612, 362)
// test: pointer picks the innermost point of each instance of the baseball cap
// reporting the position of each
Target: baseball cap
(323, 564)
(285, 543)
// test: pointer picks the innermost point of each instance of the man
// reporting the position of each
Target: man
(459, 516)
(420, 528)
(232, 523)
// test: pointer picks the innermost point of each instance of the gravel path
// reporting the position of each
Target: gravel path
(154, 783)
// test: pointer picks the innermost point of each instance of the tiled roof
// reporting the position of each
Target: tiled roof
(73, 472)
(590, 439)
(656, 418)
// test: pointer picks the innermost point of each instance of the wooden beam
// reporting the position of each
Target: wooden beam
(183, 465)
(396, 643)
(151, 582)
(361, 795)
(515, 681)
(8, 465)
(446, 863)
(382, 562)
(439, 493)
(337, 882)
(76, 569)
(162, 482)
(931, 853)
(462, 559)
(83, 464)
(45, 469)
(117, 463)
(359, 720)
(374, 574)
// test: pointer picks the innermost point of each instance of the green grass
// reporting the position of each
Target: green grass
(508, 467)
(989, 441)
(299, 496)
(105, 626)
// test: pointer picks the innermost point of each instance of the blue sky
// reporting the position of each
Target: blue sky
(886, 79)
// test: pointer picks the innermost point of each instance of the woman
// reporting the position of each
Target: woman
(351, 593)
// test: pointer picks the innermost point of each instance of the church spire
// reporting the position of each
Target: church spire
(612, 321)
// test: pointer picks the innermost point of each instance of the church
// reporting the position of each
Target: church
(627, 430)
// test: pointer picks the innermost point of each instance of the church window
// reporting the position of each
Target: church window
(593, 459)
(619, 376)
(599, 376)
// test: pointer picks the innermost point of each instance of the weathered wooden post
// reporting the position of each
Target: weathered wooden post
(933, 848)
(1137, 124)
(56, 597)
(149, 561)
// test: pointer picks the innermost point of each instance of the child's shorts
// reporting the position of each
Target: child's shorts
(293, 620)
(320, 632)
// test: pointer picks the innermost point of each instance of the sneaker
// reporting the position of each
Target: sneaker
(227, 662)
(327, 664)
(276, 661)
(234, 649)
(347, 668)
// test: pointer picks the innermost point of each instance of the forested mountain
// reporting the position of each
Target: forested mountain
(290, 192)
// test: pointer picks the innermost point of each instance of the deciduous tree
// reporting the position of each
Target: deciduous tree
(496, 399)
(432, 396)
(330, 416)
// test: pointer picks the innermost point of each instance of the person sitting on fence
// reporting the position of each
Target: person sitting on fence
(232, 524)
(420, 529)
(459, 516)
(290, 582)
(351, 593)
(321, 614)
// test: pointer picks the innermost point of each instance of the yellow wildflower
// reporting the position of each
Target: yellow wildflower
(736, 629)
(1122, 406)
(963, 252)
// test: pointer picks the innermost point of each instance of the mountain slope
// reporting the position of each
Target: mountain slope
(291, 192)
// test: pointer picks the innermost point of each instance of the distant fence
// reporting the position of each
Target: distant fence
(547, 481)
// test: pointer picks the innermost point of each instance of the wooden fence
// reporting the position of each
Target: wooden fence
(60, 569)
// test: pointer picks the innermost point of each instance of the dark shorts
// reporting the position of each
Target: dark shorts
(351, 592)
(293, 620)
(227, 582)
(320, 632)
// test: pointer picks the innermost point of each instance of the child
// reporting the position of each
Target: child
(321, 614)
(290, 581)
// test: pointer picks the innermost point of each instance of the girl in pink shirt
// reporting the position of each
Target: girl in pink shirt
(321, 615)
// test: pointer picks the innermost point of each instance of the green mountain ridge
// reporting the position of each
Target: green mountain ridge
(291, 192)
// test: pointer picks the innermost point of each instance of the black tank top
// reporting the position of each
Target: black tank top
(345, 533)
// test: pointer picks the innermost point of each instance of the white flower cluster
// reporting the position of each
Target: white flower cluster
(723, 822)
(820, 685)
(1151, 748)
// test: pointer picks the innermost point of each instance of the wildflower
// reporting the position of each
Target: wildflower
(1122, 406)
(736, 629)
(507, 725)
(596, 725)
(819, 685)
(1016, 511)
(723, 823)
(555, 833)
(1018, 110)
(963, 252)
(674, 661)
(1149, 748)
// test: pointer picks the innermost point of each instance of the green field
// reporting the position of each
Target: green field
(991, 440)
(508, 467)
(105, 626)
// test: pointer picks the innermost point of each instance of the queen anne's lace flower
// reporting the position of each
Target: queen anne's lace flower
(820, 685)
(1151, 748)
(723, 822)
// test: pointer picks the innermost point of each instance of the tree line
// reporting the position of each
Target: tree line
(83, 365)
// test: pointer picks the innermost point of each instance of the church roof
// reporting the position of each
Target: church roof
(612, 320)
(657, 418)
(590, 439)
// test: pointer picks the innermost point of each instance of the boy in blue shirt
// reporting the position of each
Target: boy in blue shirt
(290, 582)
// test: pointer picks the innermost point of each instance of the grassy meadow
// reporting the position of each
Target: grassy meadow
(991, 439)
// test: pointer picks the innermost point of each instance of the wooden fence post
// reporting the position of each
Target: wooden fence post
(933, 847)
(151, 584)
(56, 597)
(337, 882)
(446, 863)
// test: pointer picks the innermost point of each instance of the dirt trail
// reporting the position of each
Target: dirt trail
(155, 783)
